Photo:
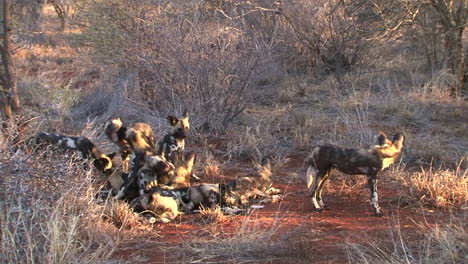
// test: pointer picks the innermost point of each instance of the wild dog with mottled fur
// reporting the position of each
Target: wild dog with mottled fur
(211, 195)
(183, 171)
(148, 170)
(368, 161)
(173, 143)
(84, 146)
(137, 138)
(155, 171)
(162, 203)
(257, 185)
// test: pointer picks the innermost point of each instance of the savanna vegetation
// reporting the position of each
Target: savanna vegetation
(258, 78)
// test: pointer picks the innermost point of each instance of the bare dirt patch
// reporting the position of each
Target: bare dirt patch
(301, 233)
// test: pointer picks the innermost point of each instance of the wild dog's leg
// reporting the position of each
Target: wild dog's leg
(125, 161)
(313, 191)
(320, 188)
(372, 180)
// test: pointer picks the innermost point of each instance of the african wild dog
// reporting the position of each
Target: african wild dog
(257, 185)
(155, 171)
(183, 171)
(211, 195)
(368, 161)
(84, 146)
(173, 143)
(162, 203)
(137, 138)
(148, 170)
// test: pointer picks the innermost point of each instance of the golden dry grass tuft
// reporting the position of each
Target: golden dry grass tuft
(48, 213)
(441, 188)
(439, 244)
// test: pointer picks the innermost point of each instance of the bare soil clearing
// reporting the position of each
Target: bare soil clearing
(320, 237)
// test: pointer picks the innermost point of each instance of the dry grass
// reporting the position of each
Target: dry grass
(250, 241)
(48, 214)
(447, 244)
(441, 188)
(215, 65)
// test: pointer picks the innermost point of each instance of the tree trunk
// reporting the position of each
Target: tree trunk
(9, 100)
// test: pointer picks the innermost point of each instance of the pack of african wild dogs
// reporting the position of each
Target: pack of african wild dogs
(156, 177)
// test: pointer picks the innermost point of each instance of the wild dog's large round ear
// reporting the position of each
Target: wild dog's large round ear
(186, 114)
(266, 162)
(398, 137)
(112, 155)
(172, 120)
(382, 139)
(231, 185)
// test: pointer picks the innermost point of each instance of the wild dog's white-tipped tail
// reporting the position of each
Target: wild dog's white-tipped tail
(310, 176)
(310, 162)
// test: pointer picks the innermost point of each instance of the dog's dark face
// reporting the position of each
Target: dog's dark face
(180, 126)
(112, 127)
(155, 166)
(228, 197)
(390, 149)
(104, 162)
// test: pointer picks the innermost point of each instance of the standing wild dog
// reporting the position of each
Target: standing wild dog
(84, 146)
(368, 161)
(138, 138)
(173, 143)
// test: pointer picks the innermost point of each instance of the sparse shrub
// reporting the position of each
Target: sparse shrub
(330, 34)
(178, 56)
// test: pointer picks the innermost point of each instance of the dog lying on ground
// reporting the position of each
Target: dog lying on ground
(211, 195)
(166, 203)
(148, 170)
(153, 174)
(258, 185)
(368, 161)
(85, 148)
(162, 203)
(137, 138)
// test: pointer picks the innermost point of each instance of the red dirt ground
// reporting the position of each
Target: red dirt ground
(321, 236)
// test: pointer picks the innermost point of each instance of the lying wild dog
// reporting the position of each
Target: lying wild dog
(183, 171)
(162, 203)
(137, 138)
(212, 195)
(84, 146)
(173, 143)
(368, 161)
(155, 171)
(257, 185)
(148, 170)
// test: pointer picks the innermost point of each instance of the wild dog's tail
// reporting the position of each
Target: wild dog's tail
(311, 163)
(45, 137)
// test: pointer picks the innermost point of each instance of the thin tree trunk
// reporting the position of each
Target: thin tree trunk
(9, 100)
